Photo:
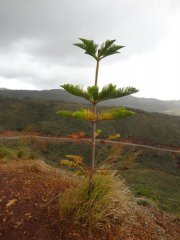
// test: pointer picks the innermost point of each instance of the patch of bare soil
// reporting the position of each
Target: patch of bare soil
(9, 133)
(25, 191)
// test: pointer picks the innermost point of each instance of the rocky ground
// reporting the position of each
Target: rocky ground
(28, 189)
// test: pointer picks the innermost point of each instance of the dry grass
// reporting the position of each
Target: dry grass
(37, 166)
(107, 204)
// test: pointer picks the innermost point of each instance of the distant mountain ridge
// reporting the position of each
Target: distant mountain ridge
(171, 107)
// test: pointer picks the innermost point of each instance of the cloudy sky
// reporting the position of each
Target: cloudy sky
(36, 38)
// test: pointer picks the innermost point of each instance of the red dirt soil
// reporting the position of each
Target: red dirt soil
(27, 186)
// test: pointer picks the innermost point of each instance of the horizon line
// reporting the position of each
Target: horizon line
(2, 88)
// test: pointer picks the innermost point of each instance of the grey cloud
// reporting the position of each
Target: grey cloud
(57, 24)
(44, 31)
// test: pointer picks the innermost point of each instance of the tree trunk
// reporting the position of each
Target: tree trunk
(94, 122)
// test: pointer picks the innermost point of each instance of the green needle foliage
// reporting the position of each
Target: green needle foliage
(86, 114)
(89, 46)
(106, 49)
(94, 95)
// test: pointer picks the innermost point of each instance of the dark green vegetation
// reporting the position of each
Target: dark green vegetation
(160, 187)
(148, 128)
(156, 177)
(146, 104)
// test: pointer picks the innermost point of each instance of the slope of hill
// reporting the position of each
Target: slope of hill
(155, 175)
(146, 104)
(152, 128)
(28, 212)
(174, 112)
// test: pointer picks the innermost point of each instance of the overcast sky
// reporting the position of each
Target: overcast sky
(36, 38)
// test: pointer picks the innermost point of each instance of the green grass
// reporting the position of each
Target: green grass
(159, 161)
(160, 187)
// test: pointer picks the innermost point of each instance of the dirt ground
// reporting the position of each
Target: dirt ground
(26, 189)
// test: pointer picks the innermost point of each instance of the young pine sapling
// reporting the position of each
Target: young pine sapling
(94, 95)
(89, 203)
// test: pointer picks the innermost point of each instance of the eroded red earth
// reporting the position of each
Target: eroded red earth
(25, 212)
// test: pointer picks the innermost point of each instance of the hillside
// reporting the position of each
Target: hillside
(153, 175)
(28, 212)
(146, 104)
(149, 128)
